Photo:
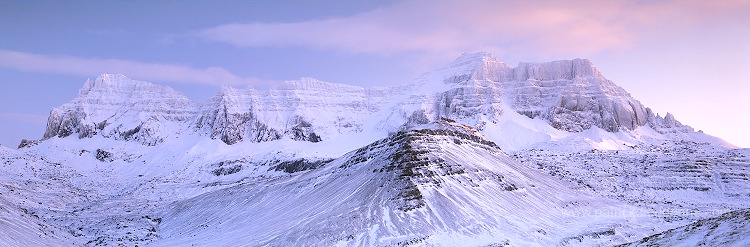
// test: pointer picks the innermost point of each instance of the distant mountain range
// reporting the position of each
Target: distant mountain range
(476, 89)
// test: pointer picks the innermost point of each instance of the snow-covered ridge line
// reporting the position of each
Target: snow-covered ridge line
(476, 90)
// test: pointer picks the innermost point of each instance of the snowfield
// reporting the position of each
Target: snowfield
(477, 153)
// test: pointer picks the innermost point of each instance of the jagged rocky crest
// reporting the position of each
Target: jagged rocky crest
(571, 95)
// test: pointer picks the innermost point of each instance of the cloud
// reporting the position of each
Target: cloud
(144, 71)
(544, 26)
(23, 117)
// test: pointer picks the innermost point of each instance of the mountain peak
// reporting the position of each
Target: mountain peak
(473, 61)
(484, 56)
(467, 66)
(108, 80)
(112, 77)
(118, 85)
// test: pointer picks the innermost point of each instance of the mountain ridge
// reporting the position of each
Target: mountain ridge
(476, 89)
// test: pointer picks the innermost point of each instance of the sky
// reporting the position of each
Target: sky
(687, 57)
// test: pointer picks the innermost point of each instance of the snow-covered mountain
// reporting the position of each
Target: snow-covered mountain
(476, 89)
(474, 153)
(117, 107)
(304, 110)
(441, 184)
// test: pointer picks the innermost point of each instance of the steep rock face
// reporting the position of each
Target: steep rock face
(118, 107)
(313, 110)
(452, 92)
(571, 94)
(230, 117)
(465, 104)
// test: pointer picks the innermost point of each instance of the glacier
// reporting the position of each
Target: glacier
(474, 153)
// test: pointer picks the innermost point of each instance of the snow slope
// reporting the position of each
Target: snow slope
(20, 226)
(442, 185)
(679, 181)
(729, 229)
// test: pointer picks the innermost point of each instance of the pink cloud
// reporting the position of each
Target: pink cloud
(544, 26)
(144, 71)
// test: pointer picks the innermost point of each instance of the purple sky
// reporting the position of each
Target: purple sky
(690, 58)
